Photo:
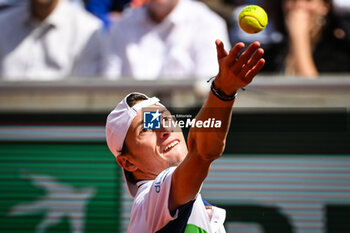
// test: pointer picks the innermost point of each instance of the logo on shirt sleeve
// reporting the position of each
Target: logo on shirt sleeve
(160, 179)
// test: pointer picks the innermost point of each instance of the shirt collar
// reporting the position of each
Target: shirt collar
(141, 182)
(176, 15)
(58, 15)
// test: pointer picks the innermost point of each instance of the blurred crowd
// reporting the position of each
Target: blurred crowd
(159, 39)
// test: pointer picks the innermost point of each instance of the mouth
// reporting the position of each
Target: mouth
(171, 145)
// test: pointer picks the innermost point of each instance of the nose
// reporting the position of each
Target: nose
(165, 132)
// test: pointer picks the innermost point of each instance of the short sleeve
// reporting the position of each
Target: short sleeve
(151, 202)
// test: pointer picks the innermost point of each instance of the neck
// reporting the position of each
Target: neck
(159, 11)
(41, 9)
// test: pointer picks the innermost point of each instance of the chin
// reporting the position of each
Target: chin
(176, 156)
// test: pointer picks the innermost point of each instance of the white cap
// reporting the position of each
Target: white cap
(118, 123)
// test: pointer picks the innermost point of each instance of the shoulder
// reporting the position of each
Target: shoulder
(82, 17)
(155, 185)
(150, 206)
(160, 179)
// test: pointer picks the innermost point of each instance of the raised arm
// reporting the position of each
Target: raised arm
(235, 71)
(299, 60)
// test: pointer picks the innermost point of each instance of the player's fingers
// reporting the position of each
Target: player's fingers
(254, 71)
(245, 56)
(251, 62)
(221, 52)
(233, 54)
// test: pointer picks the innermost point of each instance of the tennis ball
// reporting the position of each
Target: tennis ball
(252, 19)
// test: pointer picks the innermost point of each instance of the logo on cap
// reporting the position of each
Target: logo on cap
(151, 119)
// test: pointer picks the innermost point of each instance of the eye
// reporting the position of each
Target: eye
(167, 118)
(144, 130)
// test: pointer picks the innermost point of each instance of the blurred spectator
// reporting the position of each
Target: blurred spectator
(110, 10)
(342, 9)
(106, 10)
(166, 38)
(342, 6)
(314, 41)
(48, 40)
(5, 4)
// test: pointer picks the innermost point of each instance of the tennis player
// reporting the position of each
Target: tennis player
(163, 174)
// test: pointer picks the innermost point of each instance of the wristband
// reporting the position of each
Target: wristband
(221, 95)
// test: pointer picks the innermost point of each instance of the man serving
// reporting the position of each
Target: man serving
(163, 174)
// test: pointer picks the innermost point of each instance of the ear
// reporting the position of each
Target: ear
(125, 163)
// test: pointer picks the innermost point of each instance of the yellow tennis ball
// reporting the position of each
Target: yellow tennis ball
(252, 19)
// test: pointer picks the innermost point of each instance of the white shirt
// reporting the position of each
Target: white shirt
(150, 212)
(181, 46)
(342, 7)
(67, 42)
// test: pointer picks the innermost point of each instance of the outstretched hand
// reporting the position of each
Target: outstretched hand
(237, 71)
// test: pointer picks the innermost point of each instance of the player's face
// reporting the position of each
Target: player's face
(152, 151)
